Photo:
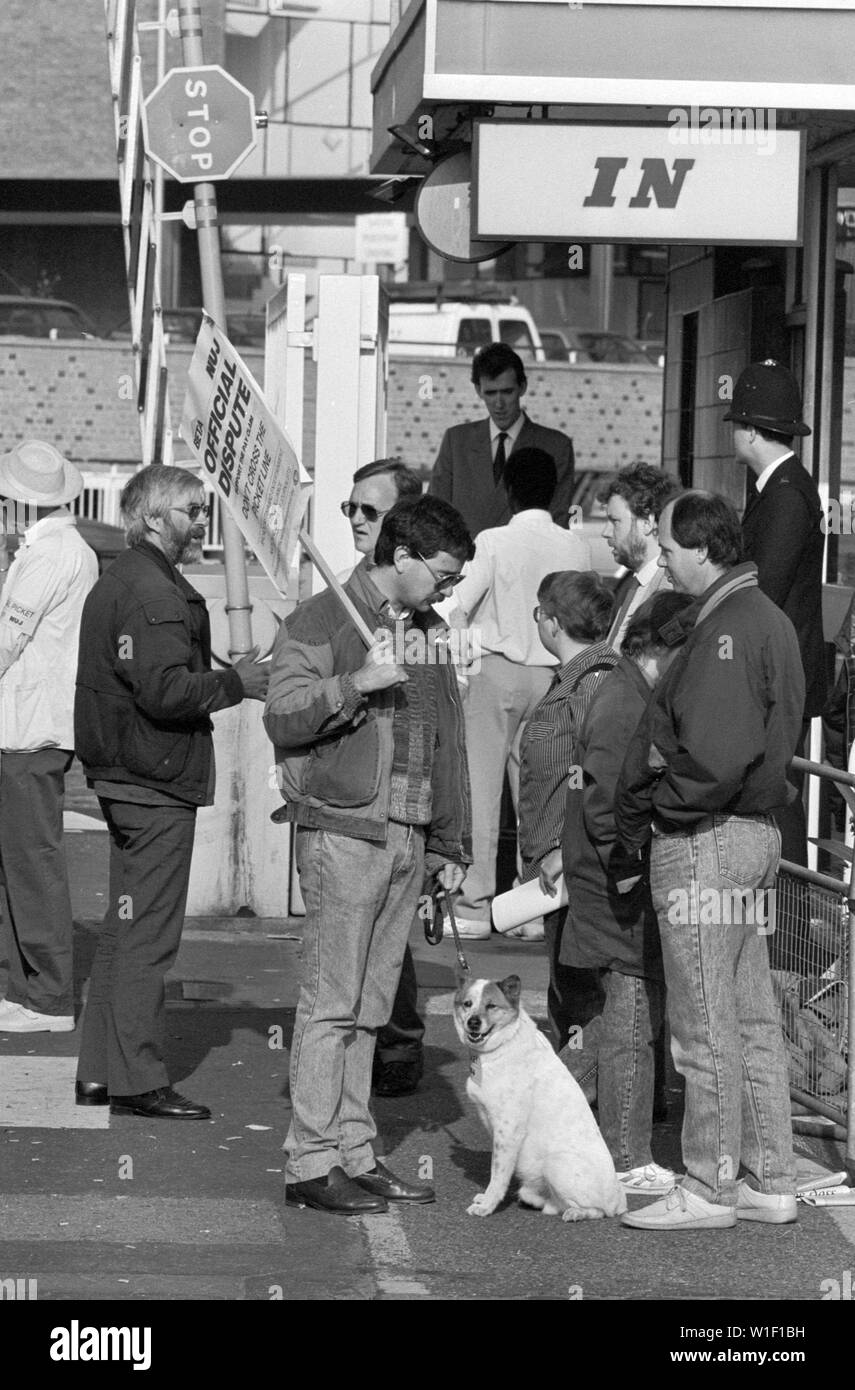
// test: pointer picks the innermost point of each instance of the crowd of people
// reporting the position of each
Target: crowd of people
(646, 730)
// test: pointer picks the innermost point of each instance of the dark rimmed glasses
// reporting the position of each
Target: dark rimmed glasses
(370, 513)
(195, 510)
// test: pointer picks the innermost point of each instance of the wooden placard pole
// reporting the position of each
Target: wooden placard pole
(320, 563)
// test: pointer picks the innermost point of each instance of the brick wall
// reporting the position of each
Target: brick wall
(612, 413)
(76, 394)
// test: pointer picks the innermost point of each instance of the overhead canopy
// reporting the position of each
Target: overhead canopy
(611, 55)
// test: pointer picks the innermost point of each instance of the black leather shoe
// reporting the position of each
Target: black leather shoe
(396, 1078)
(162, 1104)
(336, 1193)
(90, 1093)
(384, 1184)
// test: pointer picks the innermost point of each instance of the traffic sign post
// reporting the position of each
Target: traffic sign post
(199, 123)
(226, 152)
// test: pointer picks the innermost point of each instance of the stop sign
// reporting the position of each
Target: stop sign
(199, 123)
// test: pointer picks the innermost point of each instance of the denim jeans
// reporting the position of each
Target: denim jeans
(726, 1036)
(626, 1066)
(360, 901)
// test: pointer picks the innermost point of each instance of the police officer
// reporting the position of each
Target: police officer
(783, 535)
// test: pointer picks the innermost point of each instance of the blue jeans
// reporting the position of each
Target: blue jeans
(626, 1066)
(726, 1036)
(360, 901)
(613, 1058)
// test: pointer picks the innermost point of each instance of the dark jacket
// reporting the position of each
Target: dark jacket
(548, 752)
(720, 731)
(463, 472)
(334, 747)
(145, 688)
(782, 534)
(604, 928)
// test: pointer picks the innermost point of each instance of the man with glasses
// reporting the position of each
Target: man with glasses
(372, 766)
(145, 694)
(398, 1056)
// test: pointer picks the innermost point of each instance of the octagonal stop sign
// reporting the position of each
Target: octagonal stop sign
(199, 124)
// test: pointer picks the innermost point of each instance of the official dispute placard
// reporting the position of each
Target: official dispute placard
(245, 453)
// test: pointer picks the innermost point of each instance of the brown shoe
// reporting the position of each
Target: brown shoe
(336, 1193)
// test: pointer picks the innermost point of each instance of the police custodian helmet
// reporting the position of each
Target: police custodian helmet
(767, 396)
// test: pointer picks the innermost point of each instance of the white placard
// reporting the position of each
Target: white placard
(382, 238)
(246, 455)
(697, 179)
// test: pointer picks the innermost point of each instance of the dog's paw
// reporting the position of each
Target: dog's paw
(481, 1206)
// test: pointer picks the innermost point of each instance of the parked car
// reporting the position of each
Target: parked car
(555, 346)
(27, 316)
(601, 345)
(182, 326)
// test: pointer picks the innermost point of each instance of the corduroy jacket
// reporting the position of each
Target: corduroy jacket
(334, 747)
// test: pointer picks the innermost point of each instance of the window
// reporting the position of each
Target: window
(473, 334)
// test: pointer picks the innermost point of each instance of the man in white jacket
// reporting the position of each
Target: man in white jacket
(40, 609)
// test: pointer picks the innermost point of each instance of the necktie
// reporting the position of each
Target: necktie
(499, 460)
(623, 608)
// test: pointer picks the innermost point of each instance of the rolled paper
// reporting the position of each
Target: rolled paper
(525, 903)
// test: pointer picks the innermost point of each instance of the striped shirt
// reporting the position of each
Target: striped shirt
(548, 751)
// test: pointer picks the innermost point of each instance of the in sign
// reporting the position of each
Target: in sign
(199, 124)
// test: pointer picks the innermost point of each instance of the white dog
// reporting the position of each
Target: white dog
(541, 1125)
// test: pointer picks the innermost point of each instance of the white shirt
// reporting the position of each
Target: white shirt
(649, 580)
(764, 477)
(40, 610)
(513, 433)
(499, 591)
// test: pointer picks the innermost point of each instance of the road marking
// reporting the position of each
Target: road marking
(38, 1093)
(141, 1220)
(391, 1256)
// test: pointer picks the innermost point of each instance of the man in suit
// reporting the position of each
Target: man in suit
(782, 534)
(469, 470)
(633, 499)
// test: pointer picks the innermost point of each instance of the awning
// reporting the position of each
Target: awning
(610, 56)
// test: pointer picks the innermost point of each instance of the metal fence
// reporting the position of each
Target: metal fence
(815, 920)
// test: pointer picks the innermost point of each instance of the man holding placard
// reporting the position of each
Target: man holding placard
(371, 760)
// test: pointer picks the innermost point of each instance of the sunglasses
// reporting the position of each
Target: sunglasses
(196, 509)
(370, 513)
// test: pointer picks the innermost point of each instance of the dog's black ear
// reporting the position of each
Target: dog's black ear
(511, 988)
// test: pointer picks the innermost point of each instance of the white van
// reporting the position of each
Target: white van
(459, 329)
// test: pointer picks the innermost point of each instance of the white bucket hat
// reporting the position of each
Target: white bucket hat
(36, 472)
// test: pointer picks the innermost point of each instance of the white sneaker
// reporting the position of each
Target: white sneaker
(8, 1009)
(680, 1210)
(777, 1208)
(469, 928)
(648, 1179)
(20, 1020)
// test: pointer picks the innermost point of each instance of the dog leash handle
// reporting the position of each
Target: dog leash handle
(461, 959)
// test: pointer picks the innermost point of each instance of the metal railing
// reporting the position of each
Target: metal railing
(816, 990)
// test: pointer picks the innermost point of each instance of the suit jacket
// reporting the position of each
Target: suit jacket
(463, 472)
(782, 534)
